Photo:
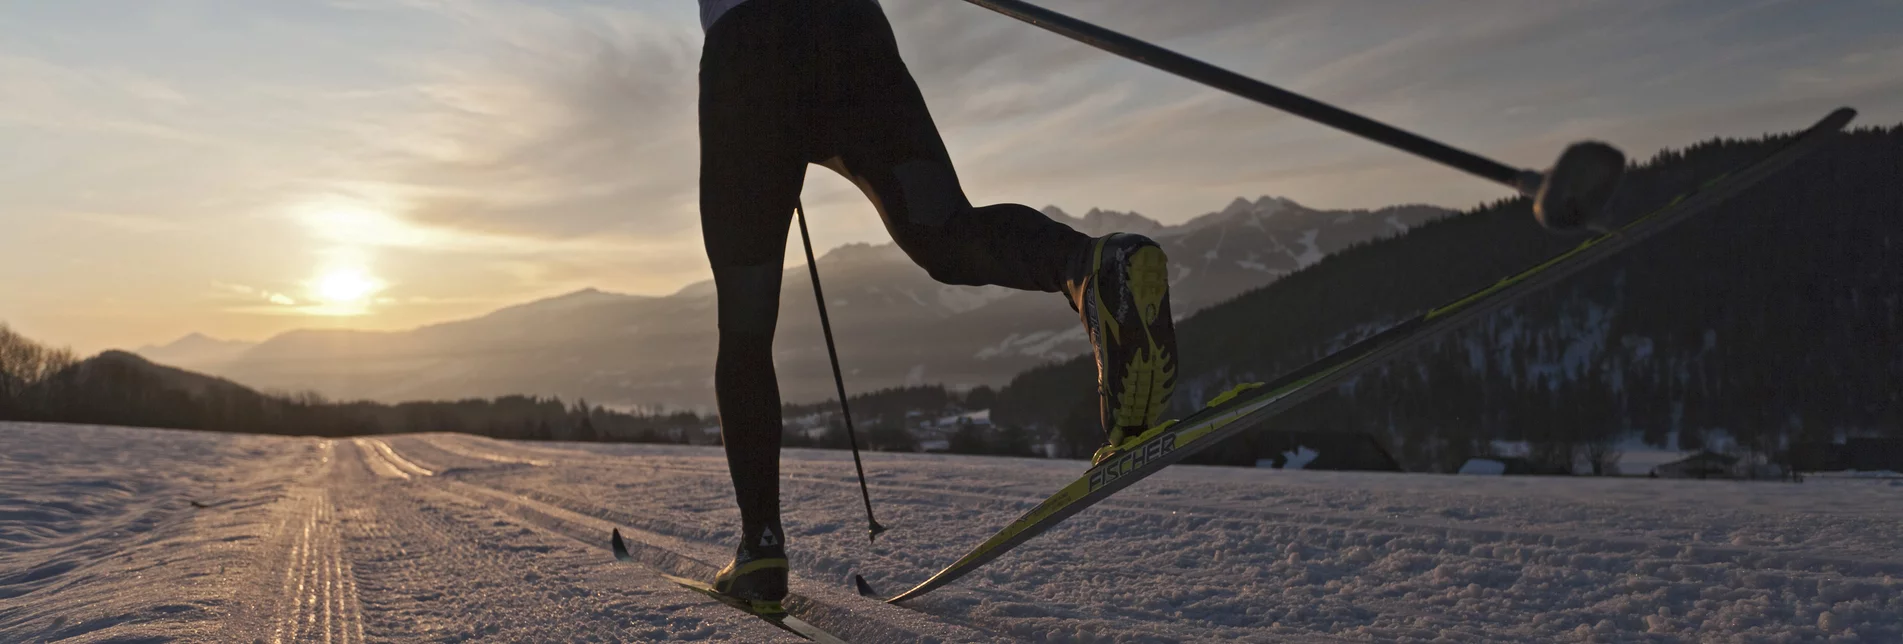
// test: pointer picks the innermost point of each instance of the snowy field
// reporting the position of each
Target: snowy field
(133, 535)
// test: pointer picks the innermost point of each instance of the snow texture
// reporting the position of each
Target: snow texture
(114, 534)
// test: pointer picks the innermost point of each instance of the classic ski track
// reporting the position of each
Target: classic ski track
(665, 542)
(459, 449)
(662, 543)
(1757, 558)
(1753, 558)
(1459, 544)
(1634, 553)
(387, 463)
(410, 532)
(392, 562)
(462, 442)
(589, 527)
(686, 559)
(317, 599)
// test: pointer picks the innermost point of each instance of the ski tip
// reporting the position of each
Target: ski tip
(620, 546)
(865, 589)
(1842, 115)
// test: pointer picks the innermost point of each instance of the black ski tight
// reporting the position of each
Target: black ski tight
(788, 83)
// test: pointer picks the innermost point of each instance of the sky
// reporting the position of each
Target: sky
(242, 168)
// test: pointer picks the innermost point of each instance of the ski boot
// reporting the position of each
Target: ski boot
(1123, 298)
(757, 574)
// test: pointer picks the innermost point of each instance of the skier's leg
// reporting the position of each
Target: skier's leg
(876, 131)
(885, 141)
(750, 175)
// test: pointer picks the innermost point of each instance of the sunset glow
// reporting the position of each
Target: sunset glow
(346, 286)
(344, 291)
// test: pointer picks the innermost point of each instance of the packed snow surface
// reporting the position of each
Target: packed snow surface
(136, 535)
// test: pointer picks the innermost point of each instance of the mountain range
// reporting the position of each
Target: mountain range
(896, 326)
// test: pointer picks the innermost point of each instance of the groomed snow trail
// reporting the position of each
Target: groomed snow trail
(150, 535)
(136, 535)
(318, 600)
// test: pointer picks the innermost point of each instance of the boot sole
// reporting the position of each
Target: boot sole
(1147, 278)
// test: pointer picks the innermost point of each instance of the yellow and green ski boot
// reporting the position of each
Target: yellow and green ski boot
(1123, 297)
(757, 574)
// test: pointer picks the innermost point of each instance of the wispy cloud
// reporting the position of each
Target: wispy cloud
(249, 297)
(565, 124)
(44, 94)
(127, 223)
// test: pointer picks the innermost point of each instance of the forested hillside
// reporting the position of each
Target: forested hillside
(45, 384)
(1776, 316)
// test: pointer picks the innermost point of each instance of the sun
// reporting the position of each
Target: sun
(345, 287)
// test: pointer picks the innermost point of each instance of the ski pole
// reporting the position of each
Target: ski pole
(1572, 194)
(812, 266)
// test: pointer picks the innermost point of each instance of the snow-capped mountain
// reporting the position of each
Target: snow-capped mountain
(895, 324)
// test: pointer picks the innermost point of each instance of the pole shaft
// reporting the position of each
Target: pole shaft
(1249, 88)
(812, 266)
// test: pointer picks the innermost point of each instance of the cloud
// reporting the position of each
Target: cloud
(348, 223)
(45, 94)
(127, 223)
(565, 124)
(247, 297)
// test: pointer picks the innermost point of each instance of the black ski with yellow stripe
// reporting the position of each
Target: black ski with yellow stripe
(779, 618)
(1249, 406)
